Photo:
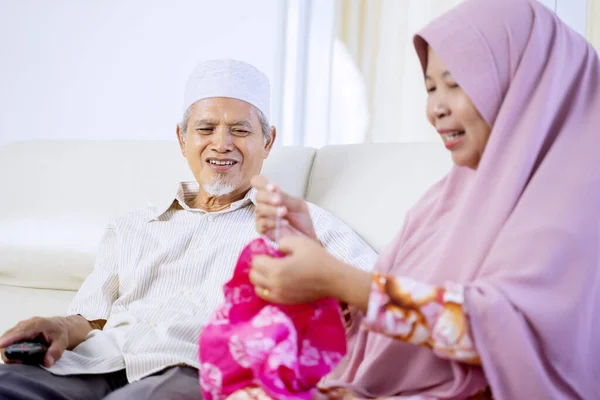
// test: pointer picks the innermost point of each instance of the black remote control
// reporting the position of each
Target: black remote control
(30, 352)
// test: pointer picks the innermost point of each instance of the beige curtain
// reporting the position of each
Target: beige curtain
(593, 23)
(378, 34)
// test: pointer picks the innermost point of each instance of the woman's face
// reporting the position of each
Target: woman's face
(464, 132)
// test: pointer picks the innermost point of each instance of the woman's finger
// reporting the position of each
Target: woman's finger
(289, 244)
(265, 225)
(266, 210)
(292, 203)
(259, 279)
(270, 198)
(261, 226)
(261, 182)
(268, 266)
(262, 292)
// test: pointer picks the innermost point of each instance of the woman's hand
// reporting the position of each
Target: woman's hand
(305, 274)
(308, 273)
(272, 203)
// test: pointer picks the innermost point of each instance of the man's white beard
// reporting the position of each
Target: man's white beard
(218, 187)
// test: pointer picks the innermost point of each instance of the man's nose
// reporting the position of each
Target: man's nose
(222, 140)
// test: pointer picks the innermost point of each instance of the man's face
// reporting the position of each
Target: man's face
(224, 144)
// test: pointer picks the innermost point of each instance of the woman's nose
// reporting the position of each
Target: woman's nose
(440, 110)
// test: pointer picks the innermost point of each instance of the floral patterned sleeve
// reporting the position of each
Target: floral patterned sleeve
(422, 314)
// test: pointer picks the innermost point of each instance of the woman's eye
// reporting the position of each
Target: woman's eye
(430, 89)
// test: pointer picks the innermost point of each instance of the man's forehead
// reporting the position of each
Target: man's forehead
(224, 108)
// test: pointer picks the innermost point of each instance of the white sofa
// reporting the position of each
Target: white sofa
(57, 196)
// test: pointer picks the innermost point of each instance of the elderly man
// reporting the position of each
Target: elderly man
(132, 329)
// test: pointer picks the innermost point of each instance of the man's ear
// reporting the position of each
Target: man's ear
(181, 140)
(270, 141)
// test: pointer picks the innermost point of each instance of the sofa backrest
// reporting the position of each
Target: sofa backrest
(57, 196)
(372, 186)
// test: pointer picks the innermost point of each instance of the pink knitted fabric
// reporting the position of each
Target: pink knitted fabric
(248, 342)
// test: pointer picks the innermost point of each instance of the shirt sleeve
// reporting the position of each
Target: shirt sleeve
(344, 244)
(100, 289)
(341, 241)
(422, 314)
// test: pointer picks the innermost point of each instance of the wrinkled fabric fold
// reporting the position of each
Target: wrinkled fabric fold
(248, 342)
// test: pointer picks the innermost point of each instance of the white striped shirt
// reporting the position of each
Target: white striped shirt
(159, 274)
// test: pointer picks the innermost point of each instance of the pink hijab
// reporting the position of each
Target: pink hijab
(521, 232)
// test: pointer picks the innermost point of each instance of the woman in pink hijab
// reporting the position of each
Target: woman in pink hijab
(492, 287)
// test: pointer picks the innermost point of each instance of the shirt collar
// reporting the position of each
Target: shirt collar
(186, 191)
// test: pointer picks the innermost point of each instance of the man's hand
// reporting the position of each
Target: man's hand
(61, 333)
(53, 330)
(272, 203)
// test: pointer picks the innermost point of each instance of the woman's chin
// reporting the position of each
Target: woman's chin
(460, 159)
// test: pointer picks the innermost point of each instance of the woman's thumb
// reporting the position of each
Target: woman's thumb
(288, 244)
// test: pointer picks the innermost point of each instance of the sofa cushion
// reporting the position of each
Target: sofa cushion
(23, 303)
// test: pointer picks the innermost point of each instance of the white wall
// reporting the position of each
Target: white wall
(105, 69)
(574, 13)
(102, 69)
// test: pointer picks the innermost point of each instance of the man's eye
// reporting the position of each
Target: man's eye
(204, 130)
(241, 132)
(431, 89)
(453, 86)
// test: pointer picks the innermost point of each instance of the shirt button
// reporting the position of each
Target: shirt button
(211, 218)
